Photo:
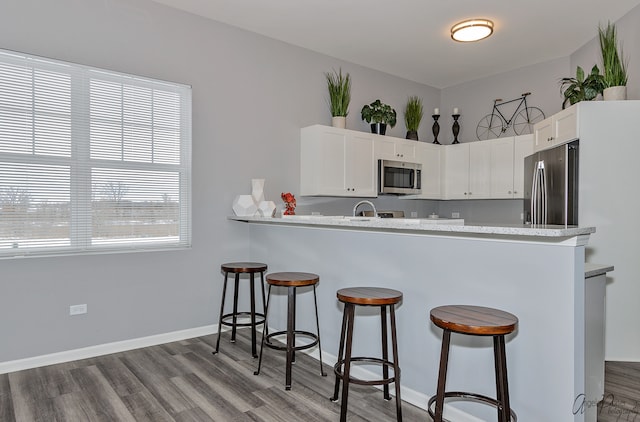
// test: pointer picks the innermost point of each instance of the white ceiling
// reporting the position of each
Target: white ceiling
(410, 38)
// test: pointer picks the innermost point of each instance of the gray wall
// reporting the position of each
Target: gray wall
(251, 96)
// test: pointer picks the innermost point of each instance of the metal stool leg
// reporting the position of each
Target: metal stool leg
(502, 386)
(264, 332)
(290, 335)
(350, 311)
(224, 293)
(442, 375)
(396, 364)
(264, 302)
(235, 308)
(315, 301)
(340, 353)
(253, 316)
(385, 350)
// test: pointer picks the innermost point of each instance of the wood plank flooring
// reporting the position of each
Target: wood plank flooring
(182, 382)
(621, 393)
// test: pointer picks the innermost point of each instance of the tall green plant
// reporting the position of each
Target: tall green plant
(413, 112)
(614, 66)
(339, 92)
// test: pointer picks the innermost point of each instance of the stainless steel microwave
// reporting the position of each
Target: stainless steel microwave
(399, 178)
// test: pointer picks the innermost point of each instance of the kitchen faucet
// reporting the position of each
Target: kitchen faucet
(355, 207)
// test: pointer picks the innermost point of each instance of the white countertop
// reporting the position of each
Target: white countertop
(451, 226)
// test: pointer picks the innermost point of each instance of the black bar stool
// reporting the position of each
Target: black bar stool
(238, 268)
(475, 321)
(291, 280)
(367, 296)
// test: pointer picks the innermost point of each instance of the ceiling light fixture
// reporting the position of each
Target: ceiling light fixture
(472, 30)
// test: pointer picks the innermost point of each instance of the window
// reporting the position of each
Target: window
(91, 160)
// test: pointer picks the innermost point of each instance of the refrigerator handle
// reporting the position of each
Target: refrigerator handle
(534, 195)
(544, 193)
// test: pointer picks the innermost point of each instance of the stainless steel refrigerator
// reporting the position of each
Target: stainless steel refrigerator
(551, 186)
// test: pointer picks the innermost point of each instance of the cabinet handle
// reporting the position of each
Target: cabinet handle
(509, 192)
(465, 193)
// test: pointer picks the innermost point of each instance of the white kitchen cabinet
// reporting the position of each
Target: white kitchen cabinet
(479, 170)
(522, 147)
(430, 156)
(467, 169)
(507, 165)
(389, 148)
(502, 167)
(558, 129)
(336, 162)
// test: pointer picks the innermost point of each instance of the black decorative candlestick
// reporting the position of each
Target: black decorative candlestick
(455, 128)
(435, 128)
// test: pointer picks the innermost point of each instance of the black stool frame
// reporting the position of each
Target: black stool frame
(345, 359)
(234, 315)
(505, 413)
(291, 333)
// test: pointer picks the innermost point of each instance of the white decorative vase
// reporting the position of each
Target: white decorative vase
(339, 122)
(244, 206)
(257, 190)
(615, 93)
(267, 209)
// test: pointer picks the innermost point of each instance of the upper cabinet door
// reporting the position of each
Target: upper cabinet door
(502, 160)
(456, 172)
(479, 170)
(360, 166)
(523, 147)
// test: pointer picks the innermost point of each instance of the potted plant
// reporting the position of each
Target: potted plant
(614, 66)
(580, 88)
(339, 87)
(413, 112)
(379, 115)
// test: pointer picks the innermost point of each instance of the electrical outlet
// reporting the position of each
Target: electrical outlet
(78, 309)
(455, 215)
(414, 214)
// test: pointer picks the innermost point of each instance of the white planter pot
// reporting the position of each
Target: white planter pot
(339, 122)
(615, 93)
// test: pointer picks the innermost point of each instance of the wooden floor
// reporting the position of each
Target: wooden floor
(183, 381)
(622, 393)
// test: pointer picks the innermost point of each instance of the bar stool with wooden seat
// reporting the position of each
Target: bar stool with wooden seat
(475, 321)
(291, 280)
(367, 296)
(238, 268)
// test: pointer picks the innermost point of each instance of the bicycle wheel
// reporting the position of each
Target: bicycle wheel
(491, 126)
(526, 118)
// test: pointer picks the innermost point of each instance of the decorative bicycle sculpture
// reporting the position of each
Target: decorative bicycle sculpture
(493, 125)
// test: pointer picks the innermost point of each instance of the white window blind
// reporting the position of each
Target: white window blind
(91, 160)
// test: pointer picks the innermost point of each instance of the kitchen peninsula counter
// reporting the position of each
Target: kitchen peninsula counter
(536, 273)
(424, 225)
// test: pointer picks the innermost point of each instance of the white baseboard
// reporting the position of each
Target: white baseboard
(408, 395)
(105, 349)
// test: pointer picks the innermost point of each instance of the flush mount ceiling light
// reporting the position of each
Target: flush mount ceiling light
(472, 30)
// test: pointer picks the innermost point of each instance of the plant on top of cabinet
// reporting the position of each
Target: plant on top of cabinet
(614, 66)
(413, 113)
(379, 115)
(339, 87)
(581, 88)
